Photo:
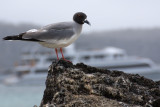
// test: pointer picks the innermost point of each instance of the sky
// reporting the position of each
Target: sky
(102, 14)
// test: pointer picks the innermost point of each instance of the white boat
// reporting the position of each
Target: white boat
(34, 64)
(117, 59)
(33, 67)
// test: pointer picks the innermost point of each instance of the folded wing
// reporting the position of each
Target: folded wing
(56, 32)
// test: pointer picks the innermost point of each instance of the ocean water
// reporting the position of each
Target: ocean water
(152, 76)
(28, 96)
(20, 96)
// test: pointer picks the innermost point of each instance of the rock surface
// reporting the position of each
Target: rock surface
(84, 86)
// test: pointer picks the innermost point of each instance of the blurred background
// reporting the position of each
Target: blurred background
(125, 29)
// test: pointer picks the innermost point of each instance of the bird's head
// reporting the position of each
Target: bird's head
(80, 18)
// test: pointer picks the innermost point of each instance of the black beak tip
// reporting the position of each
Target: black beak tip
(86, 21)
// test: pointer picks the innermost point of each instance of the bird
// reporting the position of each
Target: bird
(56, 35)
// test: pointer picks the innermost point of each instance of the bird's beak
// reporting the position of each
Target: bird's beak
(86, 21)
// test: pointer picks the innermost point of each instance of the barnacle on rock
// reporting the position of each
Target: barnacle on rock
(85, 86)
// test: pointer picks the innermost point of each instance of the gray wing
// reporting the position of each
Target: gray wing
(59, 31)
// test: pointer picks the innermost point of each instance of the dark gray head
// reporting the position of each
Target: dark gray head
(80, 18)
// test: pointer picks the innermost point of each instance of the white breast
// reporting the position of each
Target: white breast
(65, 42)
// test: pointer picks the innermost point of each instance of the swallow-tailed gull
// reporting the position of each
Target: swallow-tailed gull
(57, 35)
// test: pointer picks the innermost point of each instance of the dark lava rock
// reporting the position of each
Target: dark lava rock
(69, 85)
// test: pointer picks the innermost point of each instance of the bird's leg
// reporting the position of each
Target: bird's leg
(63, 56)
(56, 53)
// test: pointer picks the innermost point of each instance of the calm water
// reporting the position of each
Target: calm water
(20, 96)
(28, 96)
(153, 76)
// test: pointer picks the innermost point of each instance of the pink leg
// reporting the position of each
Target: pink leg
(56, 53)
(62, 53)
(63, 56)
